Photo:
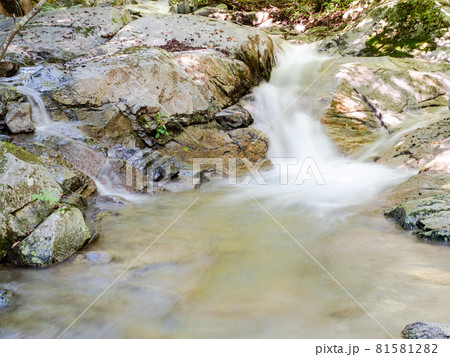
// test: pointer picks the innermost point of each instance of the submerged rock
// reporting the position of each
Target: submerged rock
(6, 299)
(62, 234)
(426, 330)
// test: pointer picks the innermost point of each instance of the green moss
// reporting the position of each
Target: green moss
(86, 31)
(133, 49)
(17, 152)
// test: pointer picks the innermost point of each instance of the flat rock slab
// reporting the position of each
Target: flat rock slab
(58, 36)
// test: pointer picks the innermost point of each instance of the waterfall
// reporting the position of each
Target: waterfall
(40, 115)
(23, 83)
(323, 178)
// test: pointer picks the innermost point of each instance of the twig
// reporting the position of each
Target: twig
(18, 26)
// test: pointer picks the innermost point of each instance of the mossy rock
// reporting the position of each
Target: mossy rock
(62, 234)
(430, 216)
(22, 179)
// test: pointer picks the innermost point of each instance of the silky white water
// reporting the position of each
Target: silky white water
(308, 170)
(256, 260)
(23, 83)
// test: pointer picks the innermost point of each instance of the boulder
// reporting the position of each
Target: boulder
(426, 330)
(362, 98)
(19, 119)
(58, 36)
(430, 216)
(425, 148)
(62, 234)
(23, 179)
(71, 180)
(141, 79)
(221, 80)
(219, 149)
(181, 32)
(9, 98)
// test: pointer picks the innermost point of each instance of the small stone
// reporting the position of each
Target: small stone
(98, 257)
(5, 138)
(234, 117)
(19, 119)
(8, 69)
(6, 299)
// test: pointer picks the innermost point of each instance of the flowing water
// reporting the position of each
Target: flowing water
(23, 83)
(286, 257)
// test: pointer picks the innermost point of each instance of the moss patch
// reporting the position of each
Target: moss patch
(7, 148)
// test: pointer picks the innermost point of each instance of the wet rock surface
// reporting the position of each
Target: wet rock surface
(430, 216)
(6, 299)
(426, 330)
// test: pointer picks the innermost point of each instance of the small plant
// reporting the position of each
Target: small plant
(186, 149)
(46, 196)
(49, 7)
(160, 122)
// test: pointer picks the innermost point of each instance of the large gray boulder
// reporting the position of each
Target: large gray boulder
(181, 33)
(62, 234)
(139, 78)
(426, 330)
(182, 65)
(58, 36)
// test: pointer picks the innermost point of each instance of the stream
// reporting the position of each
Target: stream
(287, 258)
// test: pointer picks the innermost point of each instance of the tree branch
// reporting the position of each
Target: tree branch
(18, 26)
